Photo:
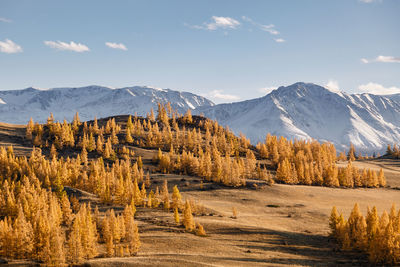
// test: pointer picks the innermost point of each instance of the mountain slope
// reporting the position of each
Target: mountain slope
(17, 106)
(305, 111)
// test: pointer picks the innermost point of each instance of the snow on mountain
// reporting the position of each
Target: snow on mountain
(17, 106)
(305, 110)
(301, 111)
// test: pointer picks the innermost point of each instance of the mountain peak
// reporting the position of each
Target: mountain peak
(29, 89)
(301, 89)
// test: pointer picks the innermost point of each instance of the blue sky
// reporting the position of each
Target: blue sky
(225, 50)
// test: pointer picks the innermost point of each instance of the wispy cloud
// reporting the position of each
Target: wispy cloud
(120, 46)
(5, 20)
(267, 28)
(333, 85)
(280, 40)
(227, 23)
(219, 95)
(217, 23)
(72, 46)
(9, 47)
(388, 59)
(383, 59)
(378, 89)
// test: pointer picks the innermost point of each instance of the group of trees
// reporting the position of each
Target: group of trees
(352, 155)
(308, 173)
(377, 236)
(204, 148)
(117, 182)
(393, 152)
(188, 209)
(39, 218)
(201, 147)
(120, 233)
(212, 166)
(39, 224)
(85, 138)
(312, 163)
(120, 183)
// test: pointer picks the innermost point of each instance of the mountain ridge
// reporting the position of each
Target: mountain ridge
(310, 111)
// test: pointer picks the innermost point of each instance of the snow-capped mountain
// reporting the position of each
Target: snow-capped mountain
(305, 110)
(17, 106)
(301, 110)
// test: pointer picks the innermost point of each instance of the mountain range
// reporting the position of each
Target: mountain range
(17, 106)
(301, 111)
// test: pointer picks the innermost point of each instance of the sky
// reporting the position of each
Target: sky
(225, 50)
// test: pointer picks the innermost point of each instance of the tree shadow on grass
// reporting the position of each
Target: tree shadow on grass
(307, 249)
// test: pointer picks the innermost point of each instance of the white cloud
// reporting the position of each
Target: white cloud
(217, 23)
(218, 94)
(267, 28)
(120, 46)
(9, 47)
(267, 90)
(5, 20)
(388, 59)
(333, 85)
(197, 27)
(378, 89)
(383, 59)
(72, 46)
(222, 22)
(280, 40)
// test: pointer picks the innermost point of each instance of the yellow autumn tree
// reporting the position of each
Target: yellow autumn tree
(188, 220)
(176, 198)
